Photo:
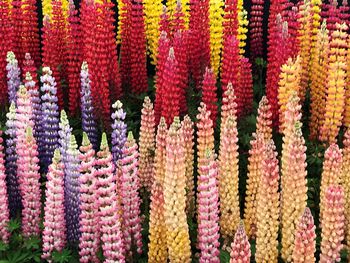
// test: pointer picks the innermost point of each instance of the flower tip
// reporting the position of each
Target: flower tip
(47, 71)
(64, 118)
(72, 141)
(86, 140)
(29, 132)
(130, 136)
(84, 66)
(104, 141)
(22, 90)
(56, 155)
(117, 105)
(10, 57)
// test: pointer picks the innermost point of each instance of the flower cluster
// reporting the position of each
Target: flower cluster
(13, 76)
(4, 208)
(209, 97)
(118, 131)
(240, 248)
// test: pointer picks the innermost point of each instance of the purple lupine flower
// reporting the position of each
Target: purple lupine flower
(118, 131)
(49, 120)
(72, 191)
(64, 134)
(15, 201)
(13, 76)
(35, 101)
(87, 110)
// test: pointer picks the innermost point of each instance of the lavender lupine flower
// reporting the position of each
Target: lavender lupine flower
(49, 120)
(13, 76)
(15, 201)
(118, 131)
(87, 110)
(30, 85)
(72, 194)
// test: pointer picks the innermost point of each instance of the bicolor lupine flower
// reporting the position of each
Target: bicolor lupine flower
(305, 239)
(208, 209)
(54, 233)
(268, 207)
(108, 205)
(157, 247)
(240, 247)
(333, 225)
(345, 181)
(335, 99)
(178, 240)
(15, 200)
(332, 168)
(4, 204)
(147, 144)
(119, 128)
(209, 97)
(293, 175)
(72, 191)
(28, 167)
(130, 198)
(262, 135)
(187, 127)
(90, 235)
(13, 76)
(87, 110)
(228, 178)
(50, 118)
(172, 10)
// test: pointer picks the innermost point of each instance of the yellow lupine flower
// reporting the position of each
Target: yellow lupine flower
(153, 10)
(47, 8)
(346, 120)
(216, 13)
(242, 27)
(319, 80)
(185, 5)
(121, 11)
(335, 85)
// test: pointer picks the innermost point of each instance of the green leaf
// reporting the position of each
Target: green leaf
(3, 246)
(62, 256)
(224, 256)
(32, 243)
(14, 224)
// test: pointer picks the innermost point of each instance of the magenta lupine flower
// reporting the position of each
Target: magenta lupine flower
(89, 239)
(130, 197)
(28, 167)
(118, 131)
(208, 210)
(240, 247)
(15, 199)
(13, 76)
(87, 110)
(72, 187)
(4, 209)
(108, 205)
(49, 121)
(54, 234)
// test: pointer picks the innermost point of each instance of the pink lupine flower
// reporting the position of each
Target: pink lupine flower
(108, 205)
(4, 209)
(129, 194)
(240, 248)
(54, 234)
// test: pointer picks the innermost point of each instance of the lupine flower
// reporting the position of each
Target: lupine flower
(108, 205)
(177, 23)
(331, 13)
(216, 12)
(64, 133)
(230, 20)
(289, 83)
(242, 26)
(15, 201)
(256, 29)
(240, 248)
(89, 239)
(87, 110)
(344, 12)
(188, 137)
(74, 60)
(262, 135)
(131, 201)
(208, 210)
(72, 191)
(268, 208)
(209, 97)
(49, 122)
(29, 67)
(5, 45)
(172, 6)
(319, 81)
(54, 234)
(16, 19)
(346, 119)
(244, 91)
(153, 10)
(163, 53)
(333, 226)
(294, 183)
(47, 7)
(291, 17)
(28, 166)
(118, 131)
(13, 76)
(178, 240)
(228, 103)
(345, 181)
(335, 100)
(164, 21)
(157, 246)
(147, 144)
(4, 204)
(332, 167)
(305, 239)
(228, 177)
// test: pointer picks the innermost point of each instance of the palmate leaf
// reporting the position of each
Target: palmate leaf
(62, 256)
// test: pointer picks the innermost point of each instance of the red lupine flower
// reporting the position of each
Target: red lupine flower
(293, 28)
(15, 21)
(125, 63)
(29, 66)
(164, 21)
(256, 29)
(331, 13)
(209, 94)
(244, 92)
(178, 22)
(230, 20)
(230, 63)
